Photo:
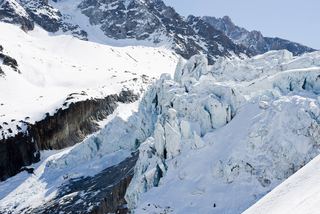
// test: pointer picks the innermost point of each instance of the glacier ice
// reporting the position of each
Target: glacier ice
(211, 137)
(258, 120)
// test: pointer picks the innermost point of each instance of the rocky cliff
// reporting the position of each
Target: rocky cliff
(65, 128)
(99, 194)
(254, 40)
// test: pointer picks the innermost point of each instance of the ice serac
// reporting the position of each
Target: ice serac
(254, 40)
(187, 107)
(227, 134)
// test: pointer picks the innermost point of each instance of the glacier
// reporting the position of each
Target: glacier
(221, 142)
(211, 138)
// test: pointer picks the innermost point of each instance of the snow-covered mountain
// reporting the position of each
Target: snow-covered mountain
(148, 22)
(254, 40)
(89, 122)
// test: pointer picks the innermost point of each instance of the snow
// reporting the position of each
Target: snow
(36, 189)
(219, 146)
(72, 14)
(300, 193)
(212, 139)
(25, 191)
(16, 7)
(52, 67)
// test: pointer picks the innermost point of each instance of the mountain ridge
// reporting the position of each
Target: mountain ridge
(148, 20)
(254, 40)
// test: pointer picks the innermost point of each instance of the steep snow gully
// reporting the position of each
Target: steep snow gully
(213, 139)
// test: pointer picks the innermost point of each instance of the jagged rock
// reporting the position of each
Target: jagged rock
(8, 60)
(43, 14)
(254, 40)
(99, 194)
(12, 12)
(16, 152)
(152, 20)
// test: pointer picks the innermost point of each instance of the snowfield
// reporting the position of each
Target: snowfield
(211, 139)
(298, 194)
(53, 67)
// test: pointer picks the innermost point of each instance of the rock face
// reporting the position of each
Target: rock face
(71, 125)
(12, 12)
(102, 193)
(16, 152)
(65, 128)
(254, 40)
(150, 21)
(153, 21)
(8, 61)
(28, 13)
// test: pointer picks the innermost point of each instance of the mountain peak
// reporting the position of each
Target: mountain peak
(149, 21)
(227, 19)
(254, 40)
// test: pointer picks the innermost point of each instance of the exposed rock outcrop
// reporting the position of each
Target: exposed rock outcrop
(254, 40)
(102, 193)
(151, 21)
(65, 128)
(12, 12)
(8, 61)
(16, 152)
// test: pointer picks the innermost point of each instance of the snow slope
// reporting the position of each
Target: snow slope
(53, 67)
(300, 193)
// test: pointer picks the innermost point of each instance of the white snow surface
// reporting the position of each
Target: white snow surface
(53, 67)
(298, 194)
